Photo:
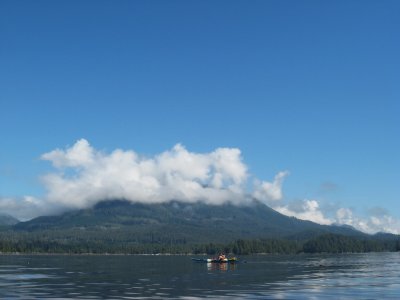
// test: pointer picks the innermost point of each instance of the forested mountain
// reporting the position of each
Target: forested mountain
(7, 220)
(175, 227)
(194, 223)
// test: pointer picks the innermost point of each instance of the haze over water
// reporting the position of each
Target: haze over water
(346, 276)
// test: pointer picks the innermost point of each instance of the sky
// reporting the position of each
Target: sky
(295, 103)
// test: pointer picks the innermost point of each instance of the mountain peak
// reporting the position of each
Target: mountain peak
(194, 222)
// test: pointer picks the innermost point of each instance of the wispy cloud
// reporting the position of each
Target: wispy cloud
(377, 220)
(25, 208)
(304, 210)
(83, 176)
(328, 187)
(270, 192)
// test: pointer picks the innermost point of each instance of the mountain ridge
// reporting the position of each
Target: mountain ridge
(192, 222)
(7, 220)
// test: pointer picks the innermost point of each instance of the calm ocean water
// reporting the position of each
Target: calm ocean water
(347, 276)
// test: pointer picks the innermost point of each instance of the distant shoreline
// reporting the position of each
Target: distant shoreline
(179, 254)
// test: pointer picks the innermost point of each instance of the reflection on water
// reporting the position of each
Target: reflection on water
(221, 266)
(352, 276)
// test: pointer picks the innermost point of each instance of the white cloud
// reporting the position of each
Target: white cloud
(344, 216)
(86, 176)
(25, 208)
(307, 210)
(83, 176)
(270, 192)
(79, 155)
(377, 220)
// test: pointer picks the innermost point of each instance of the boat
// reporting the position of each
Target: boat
(216, 260)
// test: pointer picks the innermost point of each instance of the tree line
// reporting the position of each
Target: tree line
(75, 242)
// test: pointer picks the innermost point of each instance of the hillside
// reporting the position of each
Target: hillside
(7, 220)
(180, 222)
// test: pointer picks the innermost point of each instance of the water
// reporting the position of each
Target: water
(349, 276)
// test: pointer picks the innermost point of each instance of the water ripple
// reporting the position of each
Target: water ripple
(357, 276)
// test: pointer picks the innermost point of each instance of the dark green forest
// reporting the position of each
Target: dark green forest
(120, 227)
(117, 243)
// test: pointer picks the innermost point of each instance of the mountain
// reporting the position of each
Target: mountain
(7, 220)
(179, 222)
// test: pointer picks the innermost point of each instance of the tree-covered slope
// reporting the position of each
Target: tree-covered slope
(191, 223)
(7, 220)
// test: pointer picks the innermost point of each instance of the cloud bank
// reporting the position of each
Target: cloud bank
(83, 176)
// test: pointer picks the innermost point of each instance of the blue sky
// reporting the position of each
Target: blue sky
(309, 87)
